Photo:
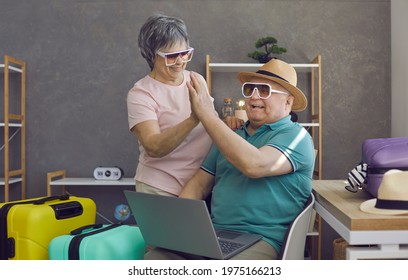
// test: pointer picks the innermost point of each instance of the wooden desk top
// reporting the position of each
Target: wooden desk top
(345, 206)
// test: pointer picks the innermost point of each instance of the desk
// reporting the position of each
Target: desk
(388, 235)
(64, 181)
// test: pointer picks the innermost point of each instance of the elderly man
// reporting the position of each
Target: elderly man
(259, 175)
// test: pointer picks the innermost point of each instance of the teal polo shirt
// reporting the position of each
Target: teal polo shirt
(267, 205)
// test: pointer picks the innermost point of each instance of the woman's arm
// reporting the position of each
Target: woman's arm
(199, 187)
(160, 143)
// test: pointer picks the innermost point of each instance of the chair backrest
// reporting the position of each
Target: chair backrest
(293, 247)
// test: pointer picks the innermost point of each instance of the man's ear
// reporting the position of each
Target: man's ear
(290, 100)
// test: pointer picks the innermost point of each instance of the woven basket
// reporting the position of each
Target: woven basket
(339, 249)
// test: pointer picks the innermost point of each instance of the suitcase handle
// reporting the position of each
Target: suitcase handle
(74, 245)
(67, 210)
(81, 229)
(50, 198)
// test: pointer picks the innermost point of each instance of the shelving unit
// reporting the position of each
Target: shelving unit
(314, 67)
(59, 178)
(314, 126)
(16, 122)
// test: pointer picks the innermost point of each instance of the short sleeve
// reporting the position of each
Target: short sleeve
(141, 106)
(296, 145)
(210, 162)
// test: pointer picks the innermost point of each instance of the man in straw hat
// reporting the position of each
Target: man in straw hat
(260, 175)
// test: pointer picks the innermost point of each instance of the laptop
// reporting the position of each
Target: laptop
(184, 225)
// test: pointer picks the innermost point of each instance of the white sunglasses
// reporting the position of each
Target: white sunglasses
(264, 90)
(171, 58)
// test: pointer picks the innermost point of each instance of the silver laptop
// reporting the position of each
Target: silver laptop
(184, 225)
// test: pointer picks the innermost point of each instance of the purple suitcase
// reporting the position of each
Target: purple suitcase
(381, 155)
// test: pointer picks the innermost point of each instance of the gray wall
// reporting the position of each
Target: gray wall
(399, 61)
(82, 59)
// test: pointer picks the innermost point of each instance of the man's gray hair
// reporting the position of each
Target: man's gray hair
(160, 31)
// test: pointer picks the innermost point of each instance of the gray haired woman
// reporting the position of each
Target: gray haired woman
(172, 142)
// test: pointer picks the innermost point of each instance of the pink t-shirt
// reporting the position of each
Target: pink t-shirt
(150, 99)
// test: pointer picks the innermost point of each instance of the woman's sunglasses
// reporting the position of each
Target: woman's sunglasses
(264, 90)
(171, 58)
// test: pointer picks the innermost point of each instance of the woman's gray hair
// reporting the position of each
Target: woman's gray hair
(160, 31)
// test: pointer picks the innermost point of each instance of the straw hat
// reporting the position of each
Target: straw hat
(282, 73)
(392, 198)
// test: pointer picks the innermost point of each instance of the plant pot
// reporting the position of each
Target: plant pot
(265, 59)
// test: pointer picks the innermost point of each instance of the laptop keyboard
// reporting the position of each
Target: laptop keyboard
(228, 246)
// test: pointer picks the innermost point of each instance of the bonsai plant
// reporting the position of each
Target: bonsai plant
(270, 45)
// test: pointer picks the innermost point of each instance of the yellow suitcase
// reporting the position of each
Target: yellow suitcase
(28, 226)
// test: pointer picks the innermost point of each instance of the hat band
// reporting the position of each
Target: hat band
(392, 204)
(263, 72)
(375, 170)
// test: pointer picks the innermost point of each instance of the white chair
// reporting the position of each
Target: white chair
(293, 247)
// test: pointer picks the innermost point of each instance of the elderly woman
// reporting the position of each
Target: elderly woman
(172, 141)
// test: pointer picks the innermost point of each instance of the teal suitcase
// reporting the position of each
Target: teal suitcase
(99, 242)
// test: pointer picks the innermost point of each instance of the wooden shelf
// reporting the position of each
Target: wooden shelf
(11, 125)
(11, 66)
(238, 67)
(59, 178)
(11, 181)
(92, 182)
